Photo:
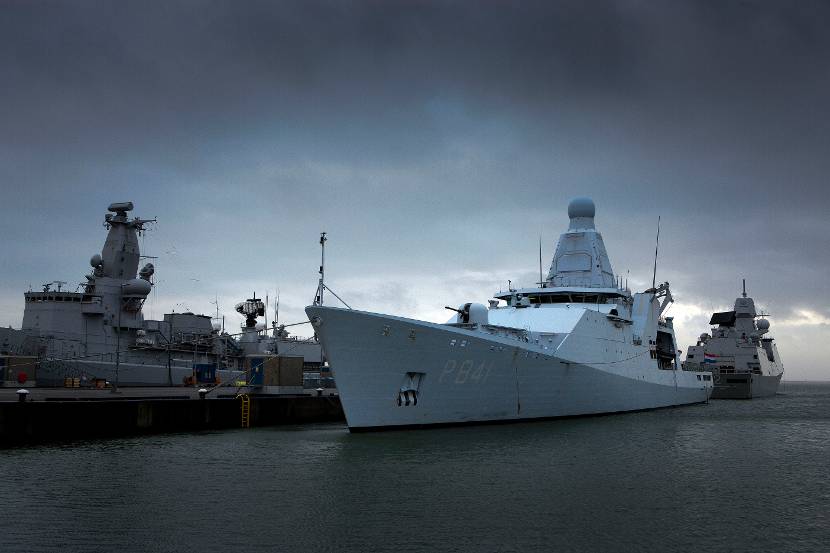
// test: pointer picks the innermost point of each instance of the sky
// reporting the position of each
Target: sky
(434, 142)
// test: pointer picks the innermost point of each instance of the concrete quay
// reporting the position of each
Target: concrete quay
(57, 414)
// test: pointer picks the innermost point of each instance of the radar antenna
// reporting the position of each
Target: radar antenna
(251, 308)
(47, 287)
(217, 318)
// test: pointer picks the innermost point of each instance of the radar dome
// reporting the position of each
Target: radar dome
(95, 260)
(147, 271)
(581, 207)
(136, 287)
(762, 324)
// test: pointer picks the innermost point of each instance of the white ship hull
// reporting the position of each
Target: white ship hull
(462, 376)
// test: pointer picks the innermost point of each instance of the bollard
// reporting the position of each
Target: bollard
(202, 393)
(22, 394)
(319, 391)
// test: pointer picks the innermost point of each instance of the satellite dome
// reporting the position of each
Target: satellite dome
(581, 207)
(762, 324)
(136, 287)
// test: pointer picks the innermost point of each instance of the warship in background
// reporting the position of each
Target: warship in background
(255, 341)
(579, 344)
(98, 333)
(744, 362)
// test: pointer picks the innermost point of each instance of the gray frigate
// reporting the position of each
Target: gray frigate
(744, 361)
(579, 344)
(98, 332)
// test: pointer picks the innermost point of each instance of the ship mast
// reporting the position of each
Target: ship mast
(321, 285)
(656, 248)
(318, 298)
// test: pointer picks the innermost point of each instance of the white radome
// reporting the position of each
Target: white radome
(581, 207)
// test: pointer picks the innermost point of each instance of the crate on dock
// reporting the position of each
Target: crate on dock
(288, 371)
(274, 371)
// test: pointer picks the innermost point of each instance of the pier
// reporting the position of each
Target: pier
(56, 414)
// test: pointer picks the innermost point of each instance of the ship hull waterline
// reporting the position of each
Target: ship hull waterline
(467, 377)
(746, 386)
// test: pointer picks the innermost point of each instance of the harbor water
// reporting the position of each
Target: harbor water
(728, 476)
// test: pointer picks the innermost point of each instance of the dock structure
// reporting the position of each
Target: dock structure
(55, 414)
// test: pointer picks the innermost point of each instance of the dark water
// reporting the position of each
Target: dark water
(728, 476)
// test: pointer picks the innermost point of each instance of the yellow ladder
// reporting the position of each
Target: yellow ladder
(245, 410)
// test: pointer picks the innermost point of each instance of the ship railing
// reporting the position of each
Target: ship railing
(732, 370)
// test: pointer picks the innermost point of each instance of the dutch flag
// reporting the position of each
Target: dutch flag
(710, 358)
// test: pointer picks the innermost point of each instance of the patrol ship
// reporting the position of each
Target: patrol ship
(579, 344)
(744, 361)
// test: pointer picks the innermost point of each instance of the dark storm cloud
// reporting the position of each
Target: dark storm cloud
(91, 69)
(729, 83)
(672, 84)
(454, 131)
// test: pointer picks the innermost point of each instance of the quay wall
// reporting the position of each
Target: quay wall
(42, 421)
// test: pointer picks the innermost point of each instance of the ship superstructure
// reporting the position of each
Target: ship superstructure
(98, 332)
(579, 344)
(743, 359)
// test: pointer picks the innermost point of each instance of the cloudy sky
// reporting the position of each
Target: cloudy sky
(434, 142)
